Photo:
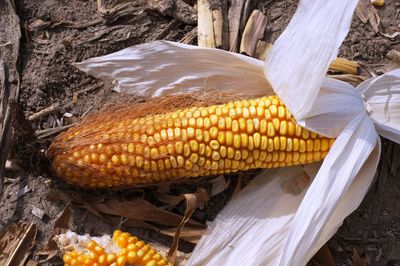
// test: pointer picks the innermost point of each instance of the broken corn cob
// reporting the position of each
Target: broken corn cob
(191, 142)
(132, 251)
(378, 2)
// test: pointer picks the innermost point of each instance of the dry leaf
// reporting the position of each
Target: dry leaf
(187, 233)
(162, 194)
(60, 226)
(367, 13)
(31, 263)
(136, 209)
(356, 79)
(62, 220)
(262, 50)
(253, 32)
(16, 242)
(357, 260)
(393, 55)
(202, 197)
(191, 203)
(219, 185)
(324, 257)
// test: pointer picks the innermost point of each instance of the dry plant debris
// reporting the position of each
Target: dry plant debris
(9, 76)
(367, 13)
(16, 243)
(212, 26)
(253, 33)
(177, 9)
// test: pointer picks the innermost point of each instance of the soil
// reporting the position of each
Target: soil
(48, 50)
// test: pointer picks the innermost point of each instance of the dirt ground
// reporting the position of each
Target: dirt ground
(57, 33)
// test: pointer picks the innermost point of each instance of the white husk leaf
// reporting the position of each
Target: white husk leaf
(382, 95)
(166, 68)
(337, 104)
(302, 54)
(263, 225)
(254, 225)
(312, 225)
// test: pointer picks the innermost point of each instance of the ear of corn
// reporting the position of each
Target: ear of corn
(191, 142)
(132, 252)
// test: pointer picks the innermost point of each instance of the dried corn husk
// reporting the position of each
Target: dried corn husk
(281, 228)
(167, 68)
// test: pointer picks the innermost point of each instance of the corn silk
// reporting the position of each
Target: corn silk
(263, 224)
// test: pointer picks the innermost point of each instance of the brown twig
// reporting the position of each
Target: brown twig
(173, 24)
(40, 134)
(44, 112)
(189, 37)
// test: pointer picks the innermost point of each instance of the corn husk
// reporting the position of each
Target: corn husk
(264, 224)
(166, 68)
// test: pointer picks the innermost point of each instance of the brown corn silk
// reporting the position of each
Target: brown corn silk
(181, 137)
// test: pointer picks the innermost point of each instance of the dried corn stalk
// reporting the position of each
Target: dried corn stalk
(253, 33)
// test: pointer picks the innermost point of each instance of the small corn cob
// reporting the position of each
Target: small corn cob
(191, 142)
(344, 65)
(132, 252)
(378, 2)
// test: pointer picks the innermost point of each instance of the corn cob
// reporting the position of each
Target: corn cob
(344, 65)
(191, 142)
(378, 2)
(132, 251)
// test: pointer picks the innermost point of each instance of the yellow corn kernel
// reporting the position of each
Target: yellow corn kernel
(195, 141)
(221, 137)
(274, 110)
(242, 124)
(213, 132)
(303, 146)
(132, 251)
(244, 140)
(250, 126)
(236, 141)
(324, 144)
(228, 138)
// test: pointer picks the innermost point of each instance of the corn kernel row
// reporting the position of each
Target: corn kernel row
(191, 142)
